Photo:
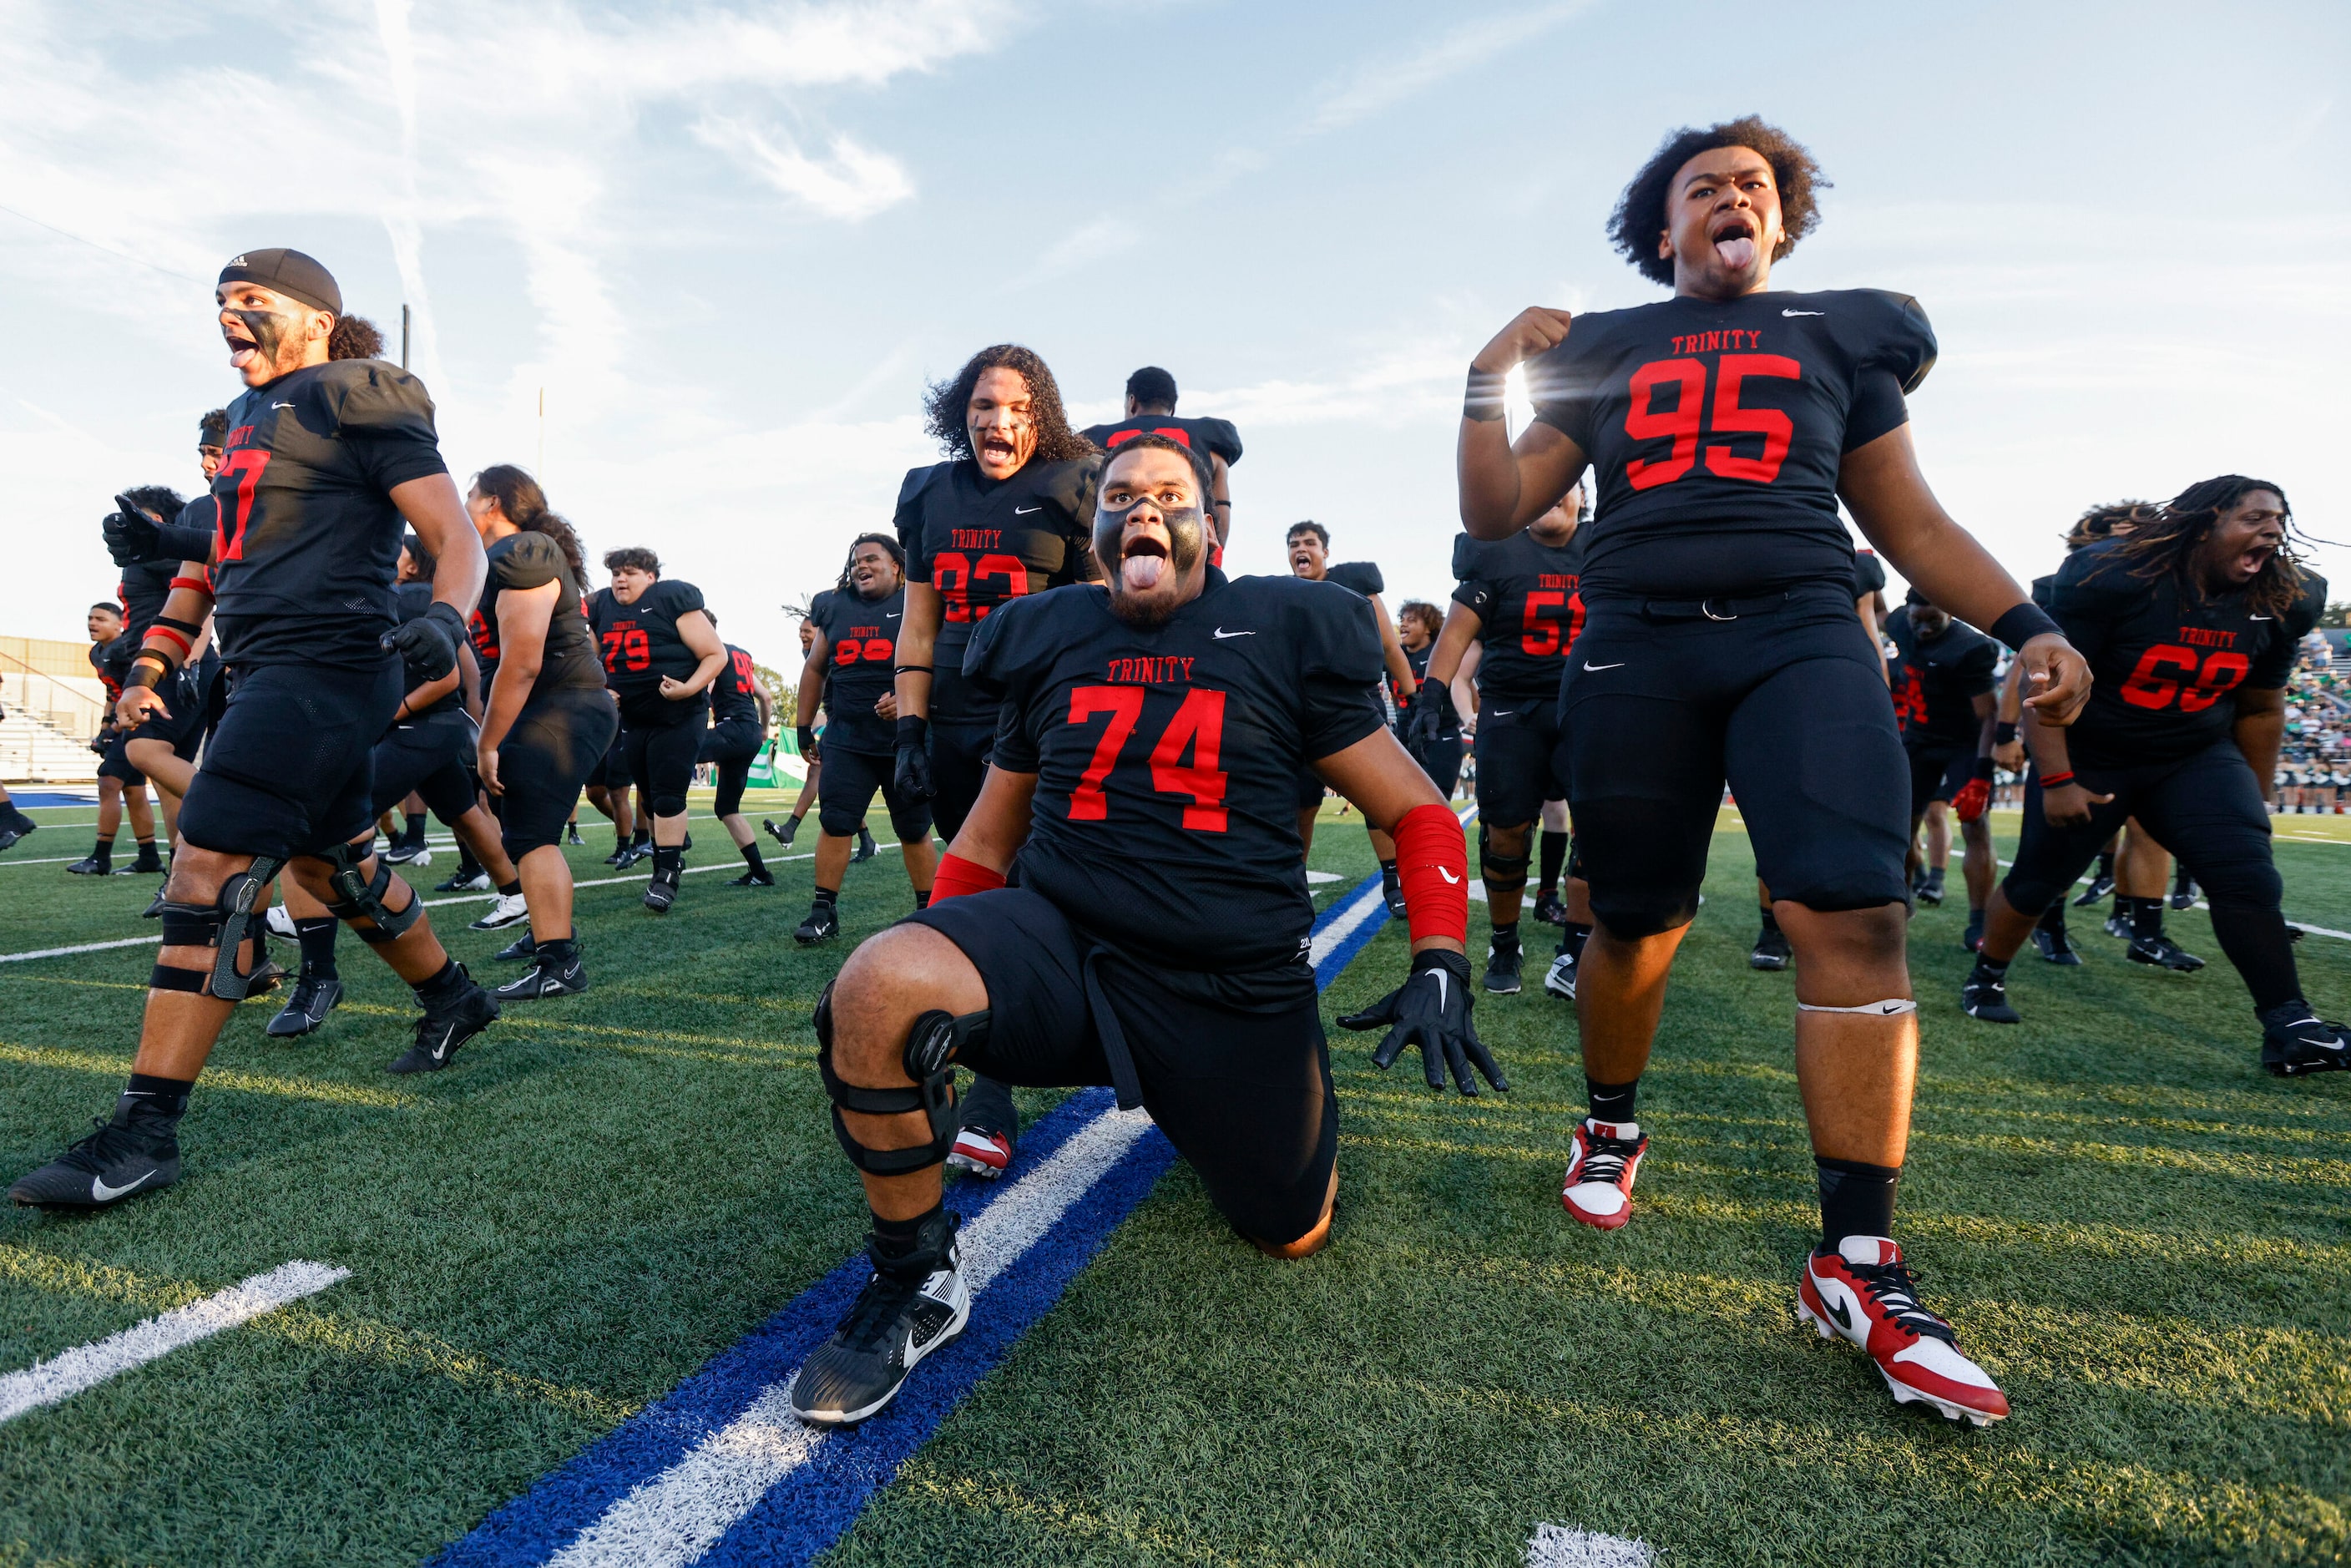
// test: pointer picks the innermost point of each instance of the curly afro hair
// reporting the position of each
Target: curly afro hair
(354, 338)
(1640, 215)
(946, 403)
(2100, 521)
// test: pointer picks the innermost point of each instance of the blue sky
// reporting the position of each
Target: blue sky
(732, 242)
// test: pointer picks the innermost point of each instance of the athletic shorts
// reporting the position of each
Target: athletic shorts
(1443, 764)
(611, 770)
(1936, 774)
(427, 757)
(1518, 758)
(2206, 810)
(963, 733)
(731, 747)
(291, 769)
(1787, 706)
(1243, 1093)
(188, 695)
(1310, 789)
(115, 763)
(561, 736)
(660, 758)
(845, 787)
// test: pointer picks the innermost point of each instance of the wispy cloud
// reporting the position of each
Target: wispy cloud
(1376, 86)
(853, 183)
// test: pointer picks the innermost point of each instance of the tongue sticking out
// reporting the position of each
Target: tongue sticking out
(1142, 572)
(1738, 253)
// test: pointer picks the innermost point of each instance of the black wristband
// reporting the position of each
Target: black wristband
(916, 669)
(2003, 733)
(145, 661)
(1483, 400)
(1983, 768)
(2022, 624)
(913, 729)
(188, 542)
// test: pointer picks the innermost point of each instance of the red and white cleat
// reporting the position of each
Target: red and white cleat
(1598, 1189)
(980, 1152)
(1864, 1292)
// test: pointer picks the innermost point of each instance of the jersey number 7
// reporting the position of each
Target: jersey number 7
(246, 464)
(1198, 725)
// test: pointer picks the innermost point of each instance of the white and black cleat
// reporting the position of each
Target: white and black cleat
(511, 909)
(889, 1330)
(118, 1161)
(1558, 980)
(279, 923)
(1503, 966)
(306, 1008)
(521, 950)
(2163, 953)
(549, 975)
(2297, 1047)
(1984, 995)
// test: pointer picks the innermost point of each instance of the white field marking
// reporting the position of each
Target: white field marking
(1344, 924)
(429, 904)
(2290, 919)
(678, 1516)
(1564, 1546)
(2311, 838)
(86, 1366)
(52, 860)
(1314, 876)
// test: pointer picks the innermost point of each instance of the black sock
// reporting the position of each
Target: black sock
(447, 985)
(2053, 917)
(103, 852)
(509, 889)
(1771, 921)
(2107, 864)
(669, 860)
(151, 1099)
(641, 837)
(2255, 941)
(1551, 855)
(1387, 870)
(557, 952)
(1856, 1199)
(1991, 968)
(1610, 1102)
(414, 829)
(318, 939)
(910, 1249)
(1935, 876)
(2180, 880)
(2146, 918)
(921, 898)
(828, 896)
(751, 858)
(468, 867)
(864, 837)
(1573, 937)
(1507, 936)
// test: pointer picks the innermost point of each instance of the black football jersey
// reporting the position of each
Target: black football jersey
(1868, 574)
(308, 538)
(1715, 428)
(1527, 596)
(568, 659)
(983, 543)
(863, 636)
(1937, 680)
(1357, 577)
(1215, 437)
(2167, 659)
(110, 662)
(734, 696)
(640, 642)
(1165, 816)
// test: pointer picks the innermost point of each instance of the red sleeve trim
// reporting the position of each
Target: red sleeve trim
(197, 584)
(957, 876)
(1433, 865)
(186, 647)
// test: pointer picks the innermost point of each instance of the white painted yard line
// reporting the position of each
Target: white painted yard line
(86, 1366)
(429, 904)
(673, 1519)
(2290, 919)
(1343, 924)
(1564, 1546)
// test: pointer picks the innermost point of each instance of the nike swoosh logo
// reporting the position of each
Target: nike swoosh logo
(893, 615)
(1441, 992)
(1839, 1311)
(1221, 633)
(1500, 712)
(442, 1049)
(2261, 617)
(1806, 313)
(105, 1193)
(1618, 665)
(1024, 511)
(1447, 876)
(281, 405)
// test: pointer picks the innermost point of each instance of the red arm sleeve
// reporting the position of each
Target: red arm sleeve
(1433, 865)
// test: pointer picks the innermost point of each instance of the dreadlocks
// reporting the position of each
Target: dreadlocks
(946, 405)
(847, 583)
(2167, 542)
(1640, 215)
(2106, 520)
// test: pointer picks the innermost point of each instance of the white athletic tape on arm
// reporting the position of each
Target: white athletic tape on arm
(1887, 1009)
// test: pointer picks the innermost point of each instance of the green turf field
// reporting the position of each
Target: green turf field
(2139, 1235)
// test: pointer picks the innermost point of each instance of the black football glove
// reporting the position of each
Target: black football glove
(1431, 1008)
(131, 535)
(429, 642)
(804, 736)
(1432, 715)
(914, 770)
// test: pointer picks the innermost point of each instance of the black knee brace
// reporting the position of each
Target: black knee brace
(361, 898)
(931, 1047)
(1574, 860)
(223, 925)
(668, 805)
(1498, 871)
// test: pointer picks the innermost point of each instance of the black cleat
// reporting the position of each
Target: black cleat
(306, 1008)
(118, 1160)
(267, 977)
(154, 910)
(1985, 997)
(2165, 954)
(464, 880)
(619, 857)
(148, 863)
(1772, 950)
(547, 977)
(1929, 892)
(90, 865)
(402, 851)
(13, 826)
(1502, 965)
(2183, 892)
(823, 925)
(1973, 938)
(1551, 909)
(571, 834)
(521, 950)
(442, 1029)
(662, 891)
(2119, 926)
(753, 879)
(866, 849)
(2297, 1046)
(1392, 894)
(2056, 946)
(783, 835)
(2100, 885)
(893, 1326)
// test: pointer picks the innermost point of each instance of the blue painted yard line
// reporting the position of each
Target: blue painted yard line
(817, 1499)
